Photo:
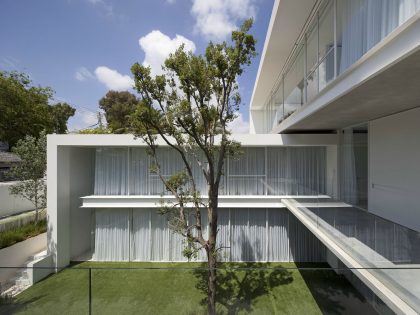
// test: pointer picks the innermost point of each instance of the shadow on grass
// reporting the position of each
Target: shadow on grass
(333, 293)
(240, 284)
(9, 305)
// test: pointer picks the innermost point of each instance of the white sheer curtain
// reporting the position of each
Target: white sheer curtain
(246, 175)
(241, 246)
(141, 235)
(244, 234)
(139, 171)
(112, 241)
(348, 180)
(160, 237)
(296, 170)
(278, 235)
(366, 22)
(111, 171)
(257, 234)
(290, 170)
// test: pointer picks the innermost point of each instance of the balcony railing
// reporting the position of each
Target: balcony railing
(336, 36)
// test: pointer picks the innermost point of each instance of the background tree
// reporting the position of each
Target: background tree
(25, 109)
(31, 171)
(117, 107)
(189, 108)
(60, 114)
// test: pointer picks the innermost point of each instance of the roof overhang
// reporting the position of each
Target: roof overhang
(287, 21)
(381, 83)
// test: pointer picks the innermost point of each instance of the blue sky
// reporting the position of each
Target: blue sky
(83, 48)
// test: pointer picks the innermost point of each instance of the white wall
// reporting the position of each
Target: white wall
(69, 226)
(394, 162)
(16, 255)
(11, 204)
(81, 184)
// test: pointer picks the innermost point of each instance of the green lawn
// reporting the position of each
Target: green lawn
(179, 290)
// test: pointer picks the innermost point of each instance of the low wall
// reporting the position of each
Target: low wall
(40, 269)
(10, 204)
(18, 254)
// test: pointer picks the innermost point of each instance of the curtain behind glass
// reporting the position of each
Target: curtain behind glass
(289, 171)
(112, 241)
(364, 23)
(247, 174)
(296, 170)
(243, 234)
(111, 171)
(348, 179)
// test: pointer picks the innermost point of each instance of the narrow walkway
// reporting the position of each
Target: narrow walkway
(386, 255)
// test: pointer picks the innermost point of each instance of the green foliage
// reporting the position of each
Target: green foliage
(95, 131)
(117, 107)
(60, 113)
(190, 107)
(16, 235)
(31, 170)
(25, 109)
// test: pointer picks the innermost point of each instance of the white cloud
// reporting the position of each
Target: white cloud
(170, 1)
(239, 125)
(83, 74)
(88, 118)
(216, 19)
(113, 80)
(157, 47)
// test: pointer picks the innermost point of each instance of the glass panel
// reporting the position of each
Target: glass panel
(326, 70)
(278, 105)
(372, 241)
(294, 86)
(312, 48)
(326, 31)
(312, 84)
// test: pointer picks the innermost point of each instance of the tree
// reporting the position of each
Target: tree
(25, 109)
(189, 108)
(31, 171)
(117, 107)
(60, 113)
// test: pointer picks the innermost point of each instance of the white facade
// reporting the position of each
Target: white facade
(333, 158)
(102, 181)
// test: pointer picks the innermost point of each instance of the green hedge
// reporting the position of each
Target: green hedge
(16, 235)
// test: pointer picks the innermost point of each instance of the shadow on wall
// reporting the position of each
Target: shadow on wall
(240, 284)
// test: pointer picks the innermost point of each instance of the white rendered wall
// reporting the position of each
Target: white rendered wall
(70, 176)
(11, 204)
(81, 183)
(394, 162)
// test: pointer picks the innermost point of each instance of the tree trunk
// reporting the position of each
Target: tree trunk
(211, 294)
(36, 204)
(212, 254)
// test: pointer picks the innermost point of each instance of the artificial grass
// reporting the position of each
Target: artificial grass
(179, 288)
(19, 234)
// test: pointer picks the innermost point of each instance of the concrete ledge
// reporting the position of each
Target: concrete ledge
(155, 201)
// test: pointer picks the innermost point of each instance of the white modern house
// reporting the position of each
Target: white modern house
(331, 169)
